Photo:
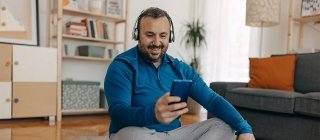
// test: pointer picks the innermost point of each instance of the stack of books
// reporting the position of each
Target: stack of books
(76, 28)
(96, 28)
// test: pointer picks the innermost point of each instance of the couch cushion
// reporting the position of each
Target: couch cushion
(307, 74)
(272, 73)
(308, 104)
(263, 99)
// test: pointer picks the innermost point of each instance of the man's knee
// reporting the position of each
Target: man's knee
(217, 122)
(219, 129)
(124, 133)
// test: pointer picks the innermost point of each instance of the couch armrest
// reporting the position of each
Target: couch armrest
(223, 87)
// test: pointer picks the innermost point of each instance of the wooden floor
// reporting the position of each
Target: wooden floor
(70, 128)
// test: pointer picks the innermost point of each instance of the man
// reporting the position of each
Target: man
(137, 84)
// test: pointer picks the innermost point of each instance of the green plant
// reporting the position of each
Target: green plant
(194, 37)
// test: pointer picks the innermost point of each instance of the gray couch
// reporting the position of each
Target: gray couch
(277, 114)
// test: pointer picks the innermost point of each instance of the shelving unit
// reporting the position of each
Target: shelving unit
(296, 25)
(302, 21)
(59, 38)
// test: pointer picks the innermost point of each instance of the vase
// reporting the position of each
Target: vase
(95, 6)
(83, 5)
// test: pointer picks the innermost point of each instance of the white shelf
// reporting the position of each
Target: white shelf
(305, 19)
(93, 15)
(91, 39)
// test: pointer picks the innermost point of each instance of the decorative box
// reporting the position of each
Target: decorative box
(80, 95)
(92, 51)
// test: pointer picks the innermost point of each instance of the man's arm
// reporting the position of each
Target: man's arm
(216, 104)
(118, 90)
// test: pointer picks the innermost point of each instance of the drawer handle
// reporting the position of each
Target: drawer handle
(16, 62)
(8, 64)
(16, 100)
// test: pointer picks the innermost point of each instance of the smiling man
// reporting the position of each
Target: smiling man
(137, 86)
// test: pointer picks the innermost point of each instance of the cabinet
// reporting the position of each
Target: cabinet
(84, 68)
(28, 80)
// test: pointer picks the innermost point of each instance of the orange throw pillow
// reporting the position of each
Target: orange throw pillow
(273, 72)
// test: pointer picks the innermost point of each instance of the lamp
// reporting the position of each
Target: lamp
(262, 13)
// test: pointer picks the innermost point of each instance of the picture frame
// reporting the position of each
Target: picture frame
(310, 7)
(114, 8)
(19, 22)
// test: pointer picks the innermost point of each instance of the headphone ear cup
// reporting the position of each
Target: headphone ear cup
(171, 36)
(135, 34)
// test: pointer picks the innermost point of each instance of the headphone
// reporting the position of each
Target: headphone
(135, 31)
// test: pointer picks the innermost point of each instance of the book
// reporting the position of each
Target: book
(105, 30)
(100, 29)
(78, 32)
(76, 25)
(70, 23)
(86, 21)
(92, 28)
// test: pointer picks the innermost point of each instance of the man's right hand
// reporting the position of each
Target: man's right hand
(166, 113)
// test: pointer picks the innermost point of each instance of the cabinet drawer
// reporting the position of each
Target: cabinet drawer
(5, 100)
(34, 99)
(34, 64)
(5, 62)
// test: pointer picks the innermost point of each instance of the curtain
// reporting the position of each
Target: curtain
(227, 50)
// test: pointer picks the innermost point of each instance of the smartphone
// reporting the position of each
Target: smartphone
(181, 88)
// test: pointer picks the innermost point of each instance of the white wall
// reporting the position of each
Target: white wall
(44, 14)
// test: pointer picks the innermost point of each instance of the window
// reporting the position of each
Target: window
(228, 39)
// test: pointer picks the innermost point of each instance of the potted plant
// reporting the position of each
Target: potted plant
(194, 37)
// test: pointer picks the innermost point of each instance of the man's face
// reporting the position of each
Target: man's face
(154, 37)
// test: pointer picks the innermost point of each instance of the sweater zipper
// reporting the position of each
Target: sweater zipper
(158, 77)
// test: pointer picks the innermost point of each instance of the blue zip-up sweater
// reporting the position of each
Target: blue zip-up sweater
(133, 85)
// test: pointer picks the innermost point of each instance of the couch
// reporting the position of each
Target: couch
(278, 114)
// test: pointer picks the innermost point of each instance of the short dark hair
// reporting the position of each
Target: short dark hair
(153, 12)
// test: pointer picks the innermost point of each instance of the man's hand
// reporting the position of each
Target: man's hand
(166, 113)
(245, 136)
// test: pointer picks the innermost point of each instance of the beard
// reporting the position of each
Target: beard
(152, 52)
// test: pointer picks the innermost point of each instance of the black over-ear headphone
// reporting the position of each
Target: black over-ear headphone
(136, 29)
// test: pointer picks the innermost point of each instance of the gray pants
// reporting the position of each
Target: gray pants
(212, 129)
